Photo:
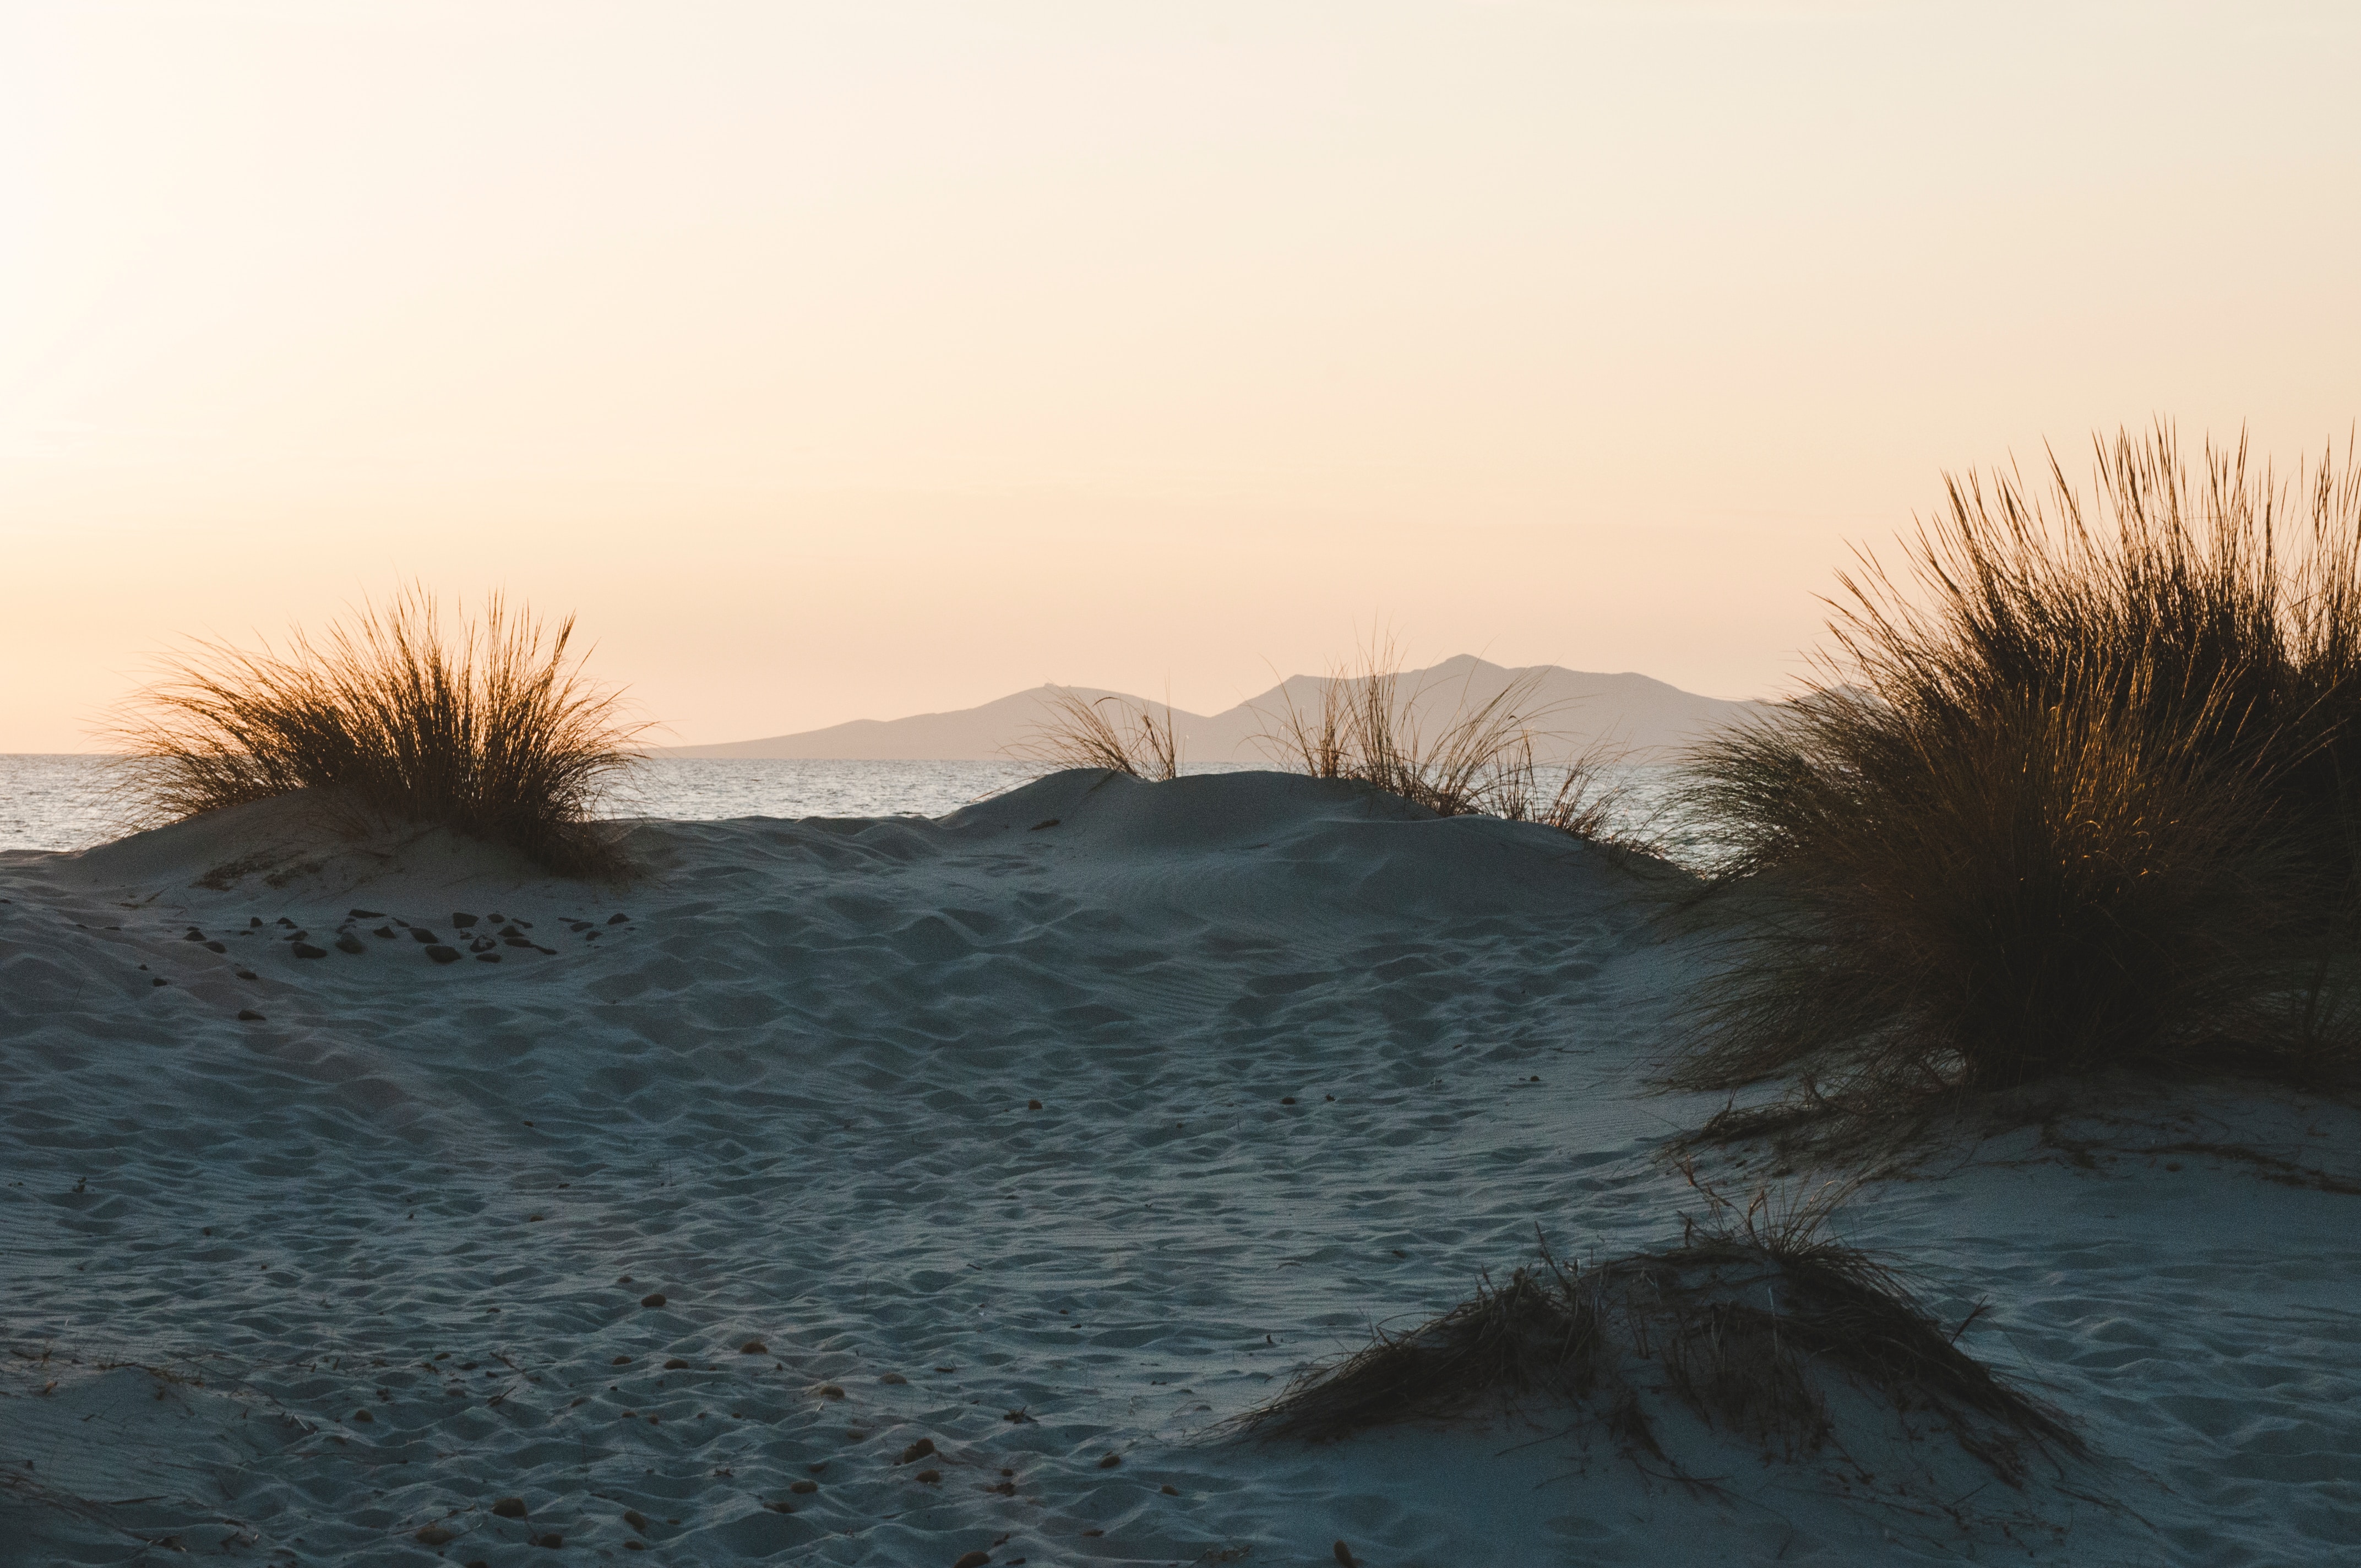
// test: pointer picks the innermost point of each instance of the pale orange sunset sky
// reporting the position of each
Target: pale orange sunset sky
(845, 360)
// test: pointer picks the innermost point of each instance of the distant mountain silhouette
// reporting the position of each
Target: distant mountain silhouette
(1646, 717)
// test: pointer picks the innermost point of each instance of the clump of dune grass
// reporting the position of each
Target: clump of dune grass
(1746, 1323)
(1112, 733)
(489, 727)
(1452, 754)
(2076, 796)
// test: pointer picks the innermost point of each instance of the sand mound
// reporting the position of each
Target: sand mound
(1037, 1144)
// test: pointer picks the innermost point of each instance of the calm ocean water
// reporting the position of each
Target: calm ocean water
(69, 802)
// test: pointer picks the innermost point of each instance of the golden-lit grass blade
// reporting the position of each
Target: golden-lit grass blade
(491, 728)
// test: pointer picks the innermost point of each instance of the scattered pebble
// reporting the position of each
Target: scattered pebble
(676, 1364)
(442, 955)
(487, 958)
(803, 1488)
(929, 1477)
(1032, 1105)
(1344, 1554)
(635, 1519)
(1287, 1100)
(363, 1415)
(894, 1377)
(306, 950)
(552, 1540)
(247, 974)
(916, 1450)
(754, 1347)
(830, 1391)
(1170, 1490)
(348, 943)
(421, 934)
(972, 1560)
(617, 919)
(463, 921)
(652, 1298)
(1111, 1461)
(508, 1508)
(249, 1016)
(433, 1535)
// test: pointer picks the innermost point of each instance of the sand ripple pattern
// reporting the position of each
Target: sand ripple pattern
(688, 1218)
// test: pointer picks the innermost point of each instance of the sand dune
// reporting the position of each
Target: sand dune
(686, 1212)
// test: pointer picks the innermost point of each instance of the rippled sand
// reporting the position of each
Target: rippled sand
(686, 1220)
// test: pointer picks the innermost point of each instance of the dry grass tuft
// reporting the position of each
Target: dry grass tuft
(491, 730)
(2080, 797)
(1081, 732)
(1743, 1324)
(1478, 758)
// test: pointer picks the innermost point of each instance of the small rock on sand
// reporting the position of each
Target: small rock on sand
(421, 934)
(249, 1016)
(676, 1364)
(916, 1450)
(463, 921)
(894, 1377)
(508, 1508)
(929, 1477)
(348, 943)
(972, 1560)
(306, 950)
(442, 955)
(1032, 1105)
(1344, 1554)
(1111, 1461)
(635, 1519)
(830, 1391)
(754, 1347)
(652, 1298)
(803, 1488)
(363, 1416)
(552, 1540)
(433, 1535)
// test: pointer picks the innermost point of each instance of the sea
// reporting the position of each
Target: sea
(72, 801)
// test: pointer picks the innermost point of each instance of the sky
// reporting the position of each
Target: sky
(832, 361)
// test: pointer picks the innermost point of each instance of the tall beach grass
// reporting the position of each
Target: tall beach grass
(1452, 752)
(2074, 793)
(490, 727)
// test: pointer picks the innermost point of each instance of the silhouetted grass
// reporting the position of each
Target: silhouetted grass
(1744, 1322)
(1081, 732)
(1467, 758)
(2077, 797)
(491, 730)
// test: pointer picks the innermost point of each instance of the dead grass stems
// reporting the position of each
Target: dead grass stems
(1471, 756)
(1744, 1324)
(489, 727)
(1113, 733)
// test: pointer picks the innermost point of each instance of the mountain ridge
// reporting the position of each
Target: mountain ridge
(1578, 709)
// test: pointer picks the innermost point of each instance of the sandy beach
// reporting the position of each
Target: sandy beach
(885, 1191)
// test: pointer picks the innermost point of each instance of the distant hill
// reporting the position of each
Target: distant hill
(1646, 717)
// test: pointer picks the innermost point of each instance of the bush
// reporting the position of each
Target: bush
(2082, 800)
(492, 731)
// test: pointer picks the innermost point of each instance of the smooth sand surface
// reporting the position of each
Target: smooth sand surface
(294, 1288)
